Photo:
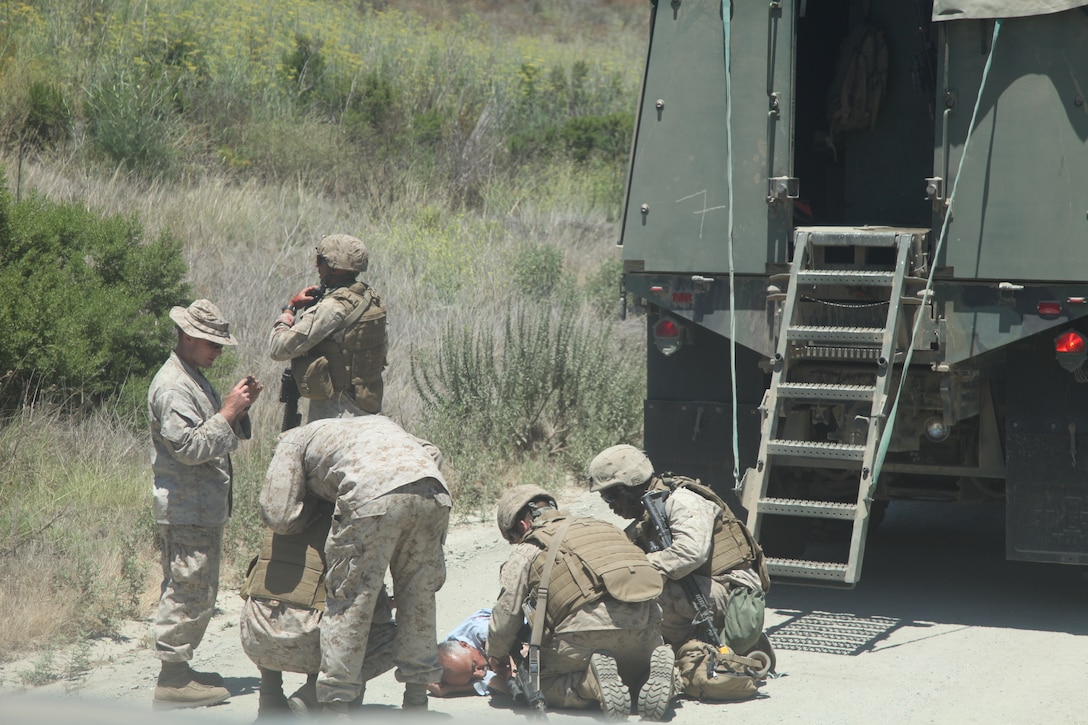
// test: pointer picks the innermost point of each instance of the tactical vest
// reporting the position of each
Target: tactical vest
(291, 567)
(356, 355)
(595, 559)
(732, 545)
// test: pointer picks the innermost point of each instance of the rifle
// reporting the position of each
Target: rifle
(525, 684)
(289, 396)
(654, 501)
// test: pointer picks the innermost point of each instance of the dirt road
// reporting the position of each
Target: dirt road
(941, 630)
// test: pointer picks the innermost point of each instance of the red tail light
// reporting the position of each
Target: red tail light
(667, 336)
(1069, 341)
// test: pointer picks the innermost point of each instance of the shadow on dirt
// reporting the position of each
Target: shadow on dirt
(932, 563)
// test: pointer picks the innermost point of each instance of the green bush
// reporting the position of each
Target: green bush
(49, 117)
(82, 299)
(131, 122)
(551, 384)
(538, 270)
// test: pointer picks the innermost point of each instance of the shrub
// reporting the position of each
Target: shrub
(82, 299)
(551, 384)
(131, 123)
(538, 270)
(49, 118)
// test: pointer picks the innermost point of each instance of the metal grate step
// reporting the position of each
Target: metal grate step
(826, 391)
(828, 352)
(803, 569)
(816, 449)
(811, 509)
(854, 277)
(856, 335)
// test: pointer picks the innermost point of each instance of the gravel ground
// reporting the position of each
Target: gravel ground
(940, 630)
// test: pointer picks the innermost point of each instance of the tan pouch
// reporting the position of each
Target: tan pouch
(312, 376)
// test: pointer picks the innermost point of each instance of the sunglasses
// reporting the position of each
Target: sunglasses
(610, 495)
(213, 345)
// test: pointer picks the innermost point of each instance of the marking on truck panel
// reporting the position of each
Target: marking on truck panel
(701, 212)
(836, 633)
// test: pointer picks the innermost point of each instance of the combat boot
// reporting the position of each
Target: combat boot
(660, 686)
(270, 699)
(176, 688)
(338, 711)
(604, 680)
(304, 700)
(415, 696)
(205, 678)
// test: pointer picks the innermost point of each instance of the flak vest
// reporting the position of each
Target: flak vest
(355, 354)
(291, 567)
(732, 545)
(595, 559)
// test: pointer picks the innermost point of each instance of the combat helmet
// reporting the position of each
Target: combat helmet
(515, 500)
(621, 465)
(343, 251)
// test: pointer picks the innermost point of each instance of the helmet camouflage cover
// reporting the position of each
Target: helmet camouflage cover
(343, 251)
(514, 500)
(621, 465)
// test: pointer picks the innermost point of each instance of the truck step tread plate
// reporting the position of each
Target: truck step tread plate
(803, 569)
(853, 277)
(816, 449)
(811, 509)
(813, 333)
(826, 391)
(828, 352)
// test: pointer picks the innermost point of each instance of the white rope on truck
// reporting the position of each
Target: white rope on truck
(886, 436)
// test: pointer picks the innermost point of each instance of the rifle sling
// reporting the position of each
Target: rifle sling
(539, 615)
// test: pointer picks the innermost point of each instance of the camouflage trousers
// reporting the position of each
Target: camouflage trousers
(564, 663)
(284, 637)
(190, 583)
(406, 539)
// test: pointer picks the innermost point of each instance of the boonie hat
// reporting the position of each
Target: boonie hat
(343, 251)
(204, 320)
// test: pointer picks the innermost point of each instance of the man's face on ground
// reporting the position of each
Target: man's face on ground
(464, 665)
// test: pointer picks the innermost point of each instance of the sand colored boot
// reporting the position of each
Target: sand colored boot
(604, 680)
(176, 688)
(660, 687)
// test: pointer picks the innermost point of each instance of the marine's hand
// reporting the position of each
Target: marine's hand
(238, 400)
(255, 387)
(304, 298)
(501, 667)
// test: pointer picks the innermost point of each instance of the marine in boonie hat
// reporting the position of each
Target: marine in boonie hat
(204, 320)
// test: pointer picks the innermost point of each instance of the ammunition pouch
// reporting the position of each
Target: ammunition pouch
(312, 375)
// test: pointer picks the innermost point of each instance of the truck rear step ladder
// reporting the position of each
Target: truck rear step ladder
(868, 345)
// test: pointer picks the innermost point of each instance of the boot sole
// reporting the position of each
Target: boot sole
(180, 705)
(615, 698)
(657, 694)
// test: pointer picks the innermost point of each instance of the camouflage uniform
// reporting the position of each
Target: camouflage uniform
(285, 637)
(629, 631)
(354, 350)
(191, 443)
(392, 511)
(691, 519)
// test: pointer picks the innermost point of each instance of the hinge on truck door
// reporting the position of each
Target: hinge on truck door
(782, 187)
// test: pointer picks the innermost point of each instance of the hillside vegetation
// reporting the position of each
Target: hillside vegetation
(478, 148)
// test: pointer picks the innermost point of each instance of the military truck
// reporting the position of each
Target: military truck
(859, 231)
